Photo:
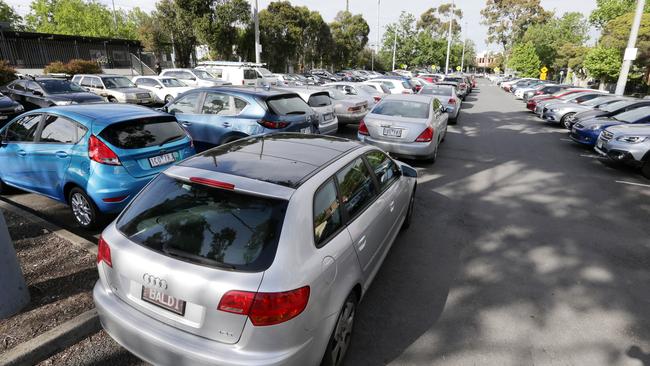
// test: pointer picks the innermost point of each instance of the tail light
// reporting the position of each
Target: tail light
(273, 125)
(426, 135)
(377, 98)
(266, 308)
(539, 92)
(243, 82)
(104, 252)
(363, 129)
(452, 101)
(407, 91)
(99, 152)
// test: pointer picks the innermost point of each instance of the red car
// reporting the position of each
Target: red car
(532, 102)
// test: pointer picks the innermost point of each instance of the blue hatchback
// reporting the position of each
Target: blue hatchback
(218, 115)
(587, 132)
(94, 158)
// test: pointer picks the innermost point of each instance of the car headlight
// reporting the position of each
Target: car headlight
(130, 96)
(595, 127)
(554, 109)
(19, 108)
(63, 102)
(632, 139)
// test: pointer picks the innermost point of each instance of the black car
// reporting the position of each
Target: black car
(48, 92)
(8, 109)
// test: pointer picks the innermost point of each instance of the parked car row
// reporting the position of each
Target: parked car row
(617, 127)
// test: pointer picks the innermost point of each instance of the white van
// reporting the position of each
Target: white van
(240, 73)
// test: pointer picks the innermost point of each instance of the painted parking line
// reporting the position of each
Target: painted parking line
(633, 184)
(566, 140)
(592, 156)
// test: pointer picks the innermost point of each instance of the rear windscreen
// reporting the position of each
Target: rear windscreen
(436, 91)
(319, 100)
(288, 104)
(403, 108)
(144, 132)
(205, 225)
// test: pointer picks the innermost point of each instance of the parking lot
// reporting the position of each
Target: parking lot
(525, 248)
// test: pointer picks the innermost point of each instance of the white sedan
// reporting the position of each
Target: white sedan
(166, 89)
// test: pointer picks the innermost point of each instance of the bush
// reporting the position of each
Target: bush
(73, 67)
(7, 73)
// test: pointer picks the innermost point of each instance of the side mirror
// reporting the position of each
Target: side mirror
(158, 86)
(192, 78)
(36, 92)
(407, 171)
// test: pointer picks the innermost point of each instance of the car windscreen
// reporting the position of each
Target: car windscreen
(403, 108)
(368, 89)
(202, 74)
(264, 71)
(143, 132)
(204, 225)
(616, 106)
(319, 100)
(336, 94)
(114, 82)
(172, 83)
(59, 87)
(633, 115)
(283, 105)
(597, 101)
(436, 91)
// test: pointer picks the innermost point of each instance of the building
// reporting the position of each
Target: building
(485, 59)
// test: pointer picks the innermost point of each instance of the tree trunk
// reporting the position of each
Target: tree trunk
(14, 294)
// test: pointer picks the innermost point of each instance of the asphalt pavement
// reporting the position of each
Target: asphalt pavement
(525, 249)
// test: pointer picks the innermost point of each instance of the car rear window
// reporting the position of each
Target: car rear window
(319, 100)
(203, 225)
(288, 104)
(143, 132)
(403, 108)
(436, 91)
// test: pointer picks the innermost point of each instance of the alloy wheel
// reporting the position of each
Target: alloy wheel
(343, 332)
(81, 209)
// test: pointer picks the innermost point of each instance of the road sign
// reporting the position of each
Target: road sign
(458, 68)
(497, 70)
(543, 70)
(542, 76)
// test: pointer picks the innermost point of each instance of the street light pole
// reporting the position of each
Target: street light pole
(378, 29)
(630, 51)
(114, 16)
(451, 20)
(394, 48)
(258, 59)
(462, 60)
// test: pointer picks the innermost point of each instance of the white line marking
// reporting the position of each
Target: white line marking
(590, 156)
(633, 184)
(566, 140)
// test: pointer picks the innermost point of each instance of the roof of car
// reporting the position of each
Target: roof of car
(100, 75)
(255, 91)
(422, 98)
(286, 159)
(104, 113)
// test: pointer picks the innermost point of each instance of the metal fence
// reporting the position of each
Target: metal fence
(36, 50)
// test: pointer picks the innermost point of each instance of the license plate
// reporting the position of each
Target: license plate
(328, 116)
(392, 132)
(305, 130)
(163, 300)
(162, 160)
(3, 117)
(600, 144)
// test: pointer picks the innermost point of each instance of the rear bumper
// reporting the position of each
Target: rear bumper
(412, 150)
(161, 344)
(109, 183)
(329, 129)
(351, 117)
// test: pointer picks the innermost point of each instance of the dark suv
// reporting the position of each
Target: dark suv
(48, 92)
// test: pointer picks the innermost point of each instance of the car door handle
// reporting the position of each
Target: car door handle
(61, 154)
(362, 243)
(226, 124)
(186, 124)
(392, 206)
(21, 152)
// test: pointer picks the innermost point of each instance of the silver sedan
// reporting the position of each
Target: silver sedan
(446, 94)
(412, 126)
(256, 252)
(348, 108)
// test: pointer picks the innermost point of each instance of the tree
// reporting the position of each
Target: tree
(179, 23)
(349, 36)
(570, 56)
(436, 21)
(9, 15)
(508, 20)
(280, 33)
(616, 33)
(603, 63)
(151, 32)
(607, 10)
(524, 59)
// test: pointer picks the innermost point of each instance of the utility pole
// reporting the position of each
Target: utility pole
(347, 5)
(114, 15)
(394, 48)
(451, 20)
(378, 29)
(258, 47)
(462, 60)
(631, 50)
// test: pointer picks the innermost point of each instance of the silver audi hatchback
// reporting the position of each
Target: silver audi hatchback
(256, 252)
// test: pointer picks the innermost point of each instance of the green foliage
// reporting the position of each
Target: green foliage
(7, 73)
(73, 67)
(279, 33)
(603, 63)
(607, 10)
(436, 20)
(549, 37)
(508, 20)
(78, 17)
(616, 33)
(179, 23)
(524, 60)
(9, 15)
(570, 55)
(350, 36)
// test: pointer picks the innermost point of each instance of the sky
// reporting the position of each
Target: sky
(389, 11)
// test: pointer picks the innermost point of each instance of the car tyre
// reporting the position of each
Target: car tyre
(645, 169)
(564, 121)
(341, 336)
(112, 100)
(169, 99)
(83, 209)
(409, 212)
(3, 187)
(432, 159)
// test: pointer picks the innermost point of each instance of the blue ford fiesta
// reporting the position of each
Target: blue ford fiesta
(93, 158)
